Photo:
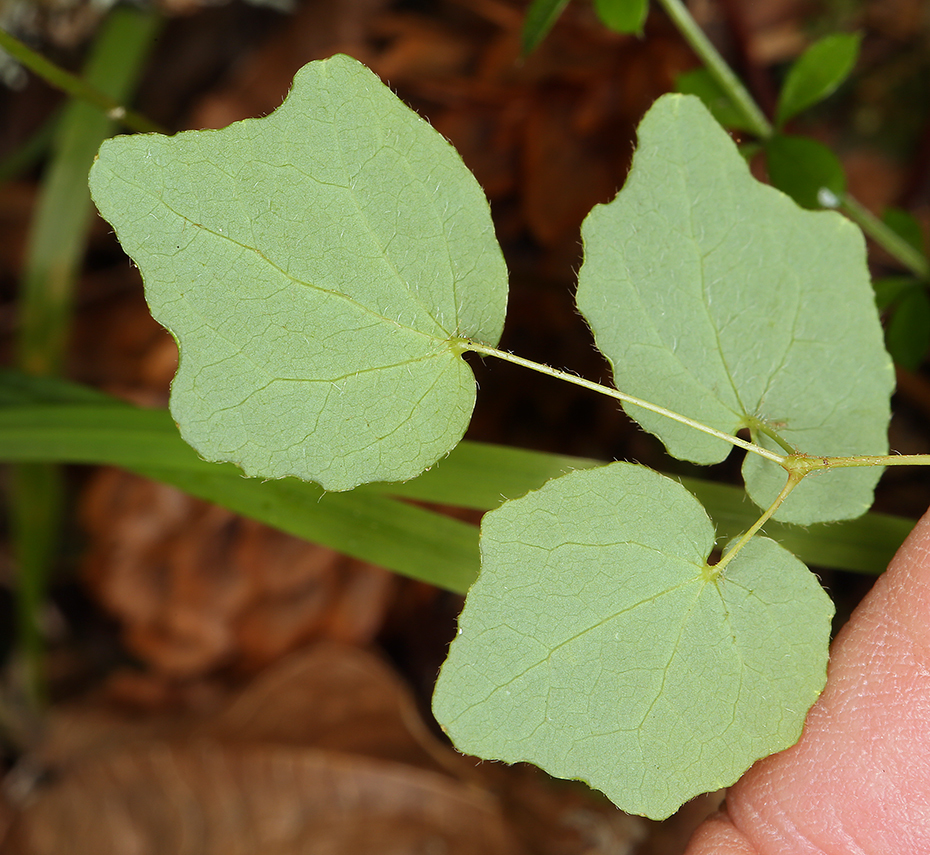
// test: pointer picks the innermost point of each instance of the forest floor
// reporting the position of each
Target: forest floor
(217, 685)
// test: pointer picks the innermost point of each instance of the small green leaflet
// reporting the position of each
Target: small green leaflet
(623, 16)
(717, 297)
(596, 644)
(819, 72)
(316, 267)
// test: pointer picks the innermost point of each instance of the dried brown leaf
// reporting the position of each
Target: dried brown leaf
(200, 797)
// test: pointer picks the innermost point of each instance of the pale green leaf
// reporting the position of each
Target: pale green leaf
(316, 267)
(717, 297)
(817, 74)
(596, 644)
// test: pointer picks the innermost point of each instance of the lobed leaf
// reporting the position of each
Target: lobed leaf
(597, 644)
(821, 69)
(317, 267)
(717, 297)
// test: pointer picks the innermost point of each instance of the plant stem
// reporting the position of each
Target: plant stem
(807, 463)
(760, 426)
(622, 396)
(75, 86)
(795, 464)
(794, 478)
(718, 67)
(886, 238)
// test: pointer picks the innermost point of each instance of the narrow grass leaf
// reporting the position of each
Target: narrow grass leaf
(50, 420)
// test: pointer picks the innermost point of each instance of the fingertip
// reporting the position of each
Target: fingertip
(718, 836)
(859, 770)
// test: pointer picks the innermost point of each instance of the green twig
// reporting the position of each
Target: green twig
(797, 465)
(888, 239)
(805, 463)
(718, 68)
(75, 86)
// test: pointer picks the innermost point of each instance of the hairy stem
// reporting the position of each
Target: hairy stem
(622, 396)
(807, 463)
(794, 478)
(758, 426)
(797, 465)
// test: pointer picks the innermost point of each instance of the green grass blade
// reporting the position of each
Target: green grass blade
(475, 475)
(59, 231)
(481, 476)
(55, 251)
(409, 540)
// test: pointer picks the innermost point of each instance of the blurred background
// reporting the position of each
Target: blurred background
(214, 685)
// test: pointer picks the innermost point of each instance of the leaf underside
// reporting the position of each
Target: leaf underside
(594, 645)
(316, 267)
(717, 297)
